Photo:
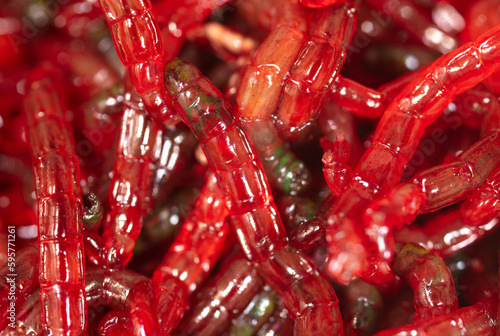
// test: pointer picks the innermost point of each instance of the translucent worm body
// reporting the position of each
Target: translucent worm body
(192, 255)
(318, 62)
(130, 183)
(223, 298)
(307, 294)
(476, 320)
(363, 101)
(341, 146)
(483, 205)
(257, 102)
(430, 190)
(114, 323)
(433, 288)
(139, 45)
(56, 171)
(445, 234)
(336, 170)
(395, 140)
(127, 290)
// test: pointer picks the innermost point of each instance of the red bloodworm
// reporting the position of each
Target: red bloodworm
(445, 234)
(222, 299)
(432, 283)
(340, 139)
(306, 293)
(191, 257)
(430, 190)
(318, 62)
(336, 171)
(56, 170)
(258, 95)
(127, 290)
(139, 45)
(434, 188)
(483, 205)
(26, 281)
(395, 140)
(409, 17)
(114, 323)
(475, 320)
(128, 197)
(363, 309)
(363, 101)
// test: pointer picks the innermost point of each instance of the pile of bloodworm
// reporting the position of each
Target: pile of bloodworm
(280, 167)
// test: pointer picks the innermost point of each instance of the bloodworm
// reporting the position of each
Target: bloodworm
(305, 292)
(191, 257)
(56, 170)
(433, 288)
(222, 299)
(434, 188)
(430, 190)
(395, 140)
(435, 234)
(128, 196)
(139, 45)
(114, 323)
(127, 290)
(340, 139)
(483, 205)
(363, 101)
(478, 319)
(257, 102)
(319, 60)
